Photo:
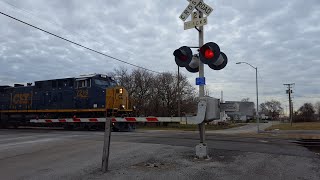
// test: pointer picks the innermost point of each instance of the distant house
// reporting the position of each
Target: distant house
(246, 111)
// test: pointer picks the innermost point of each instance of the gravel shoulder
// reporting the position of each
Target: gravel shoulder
(176, 162)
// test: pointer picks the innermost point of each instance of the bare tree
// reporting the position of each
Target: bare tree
(157, 95)
(271, 108)
(317, 109)
(306, 112)
(188, 96)
(123, 77)
(143, 81)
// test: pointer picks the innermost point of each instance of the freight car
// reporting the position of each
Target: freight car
(87, 96)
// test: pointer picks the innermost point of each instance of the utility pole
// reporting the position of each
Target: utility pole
(289, 91)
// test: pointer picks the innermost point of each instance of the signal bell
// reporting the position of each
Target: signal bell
(210, 54)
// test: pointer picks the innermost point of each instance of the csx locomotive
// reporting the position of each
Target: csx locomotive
(94, 95)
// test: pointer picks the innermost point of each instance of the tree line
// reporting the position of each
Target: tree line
(307, 112)
(157, 94)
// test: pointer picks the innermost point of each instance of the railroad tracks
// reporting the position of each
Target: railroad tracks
(311, 144)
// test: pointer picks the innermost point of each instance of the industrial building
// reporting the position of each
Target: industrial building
(246, 111)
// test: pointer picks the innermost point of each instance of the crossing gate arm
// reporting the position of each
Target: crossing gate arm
(114, 119)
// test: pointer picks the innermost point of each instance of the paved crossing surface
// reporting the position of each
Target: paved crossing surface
(57, 154)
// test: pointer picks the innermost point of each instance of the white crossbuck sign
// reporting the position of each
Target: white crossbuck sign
(186, 13)
(203, 7)
(195, 21)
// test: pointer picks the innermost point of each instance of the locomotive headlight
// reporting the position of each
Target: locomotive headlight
(120, 90)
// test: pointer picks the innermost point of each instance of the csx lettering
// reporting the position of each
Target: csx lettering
(21, 98)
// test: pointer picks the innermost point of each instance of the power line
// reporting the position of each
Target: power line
(117, 59)
(34, 16)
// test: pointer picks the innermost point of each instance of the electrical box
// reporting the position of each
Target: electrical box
(208, 110)
(213, 109)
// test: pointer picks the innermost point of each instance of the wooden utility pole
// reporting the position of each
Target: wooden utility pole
(289, 91)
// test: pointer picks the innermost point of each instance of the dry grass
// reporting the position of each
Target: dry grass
(281, 136)
(296, 126)
(184, 127)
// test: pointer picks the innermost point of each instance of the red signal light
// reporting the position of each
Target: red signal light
(183, 58)
(208, 54)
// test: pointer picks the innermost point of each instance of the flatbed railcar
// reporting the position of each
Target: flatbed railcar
(86, 96)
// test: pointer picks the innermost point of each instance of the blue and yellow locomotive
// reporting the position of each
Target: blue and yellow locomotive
(94, 95)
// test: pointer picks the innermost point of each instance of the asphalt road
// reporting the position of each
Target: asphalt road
(52, 154)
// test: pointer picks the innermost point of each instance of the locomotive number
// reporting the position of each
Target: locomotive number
(82, 93)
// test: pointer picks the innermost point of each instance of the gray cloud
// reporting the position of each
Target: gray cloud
(281, 38)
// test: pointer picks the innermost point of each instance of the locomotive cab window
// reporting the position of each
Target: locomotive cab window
(112, 82)
(83, 83)
(102, 83)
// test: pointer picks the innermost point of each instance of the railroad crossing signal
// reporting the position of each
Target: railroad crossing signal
(210, 54)
(185, 58)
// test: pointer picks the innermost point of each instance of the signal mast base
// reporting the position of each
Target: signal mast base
(202, 151)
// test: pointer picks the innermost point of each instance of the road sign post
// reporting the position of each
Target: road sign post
(202, 152)
(106, 145)
(198, 20)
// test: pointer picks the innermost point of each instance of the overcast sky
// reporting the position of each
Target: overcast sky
(281, 38)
